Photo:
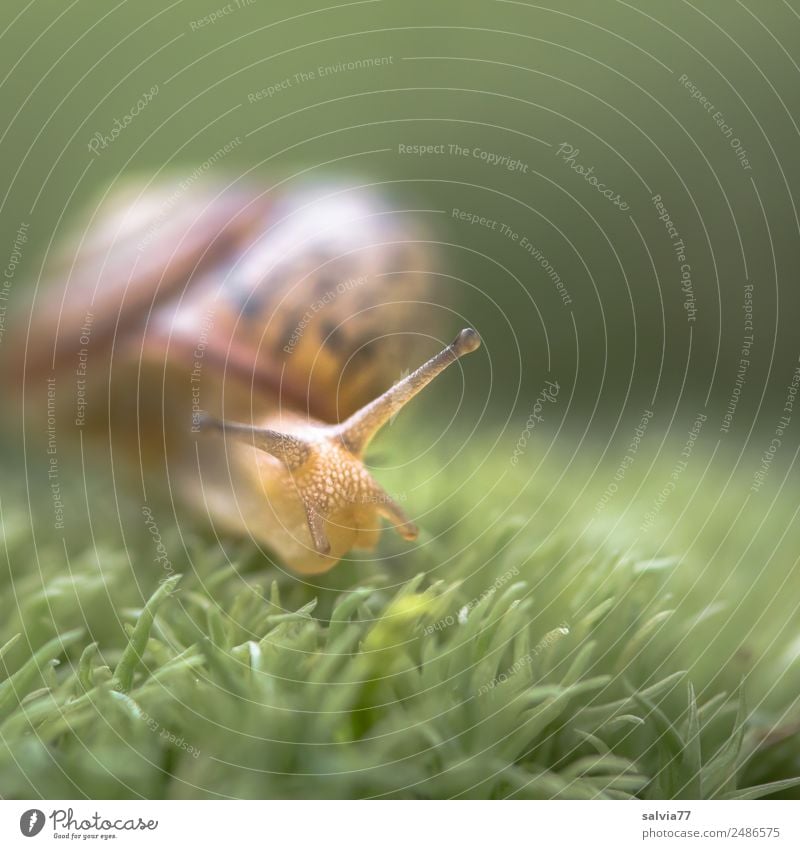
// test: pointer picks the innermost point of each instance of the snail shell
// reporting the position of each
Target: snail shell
(259, 326)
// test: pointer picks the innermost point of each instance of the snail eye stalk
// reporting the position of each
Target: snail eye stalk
(357, 431)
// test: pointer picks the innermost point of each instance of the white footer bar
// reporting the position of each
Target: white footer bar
(401, 825)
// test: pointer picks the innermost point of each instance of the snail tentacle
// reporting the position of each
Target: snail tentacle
(392, 511)
(291, 450)
(357, 431)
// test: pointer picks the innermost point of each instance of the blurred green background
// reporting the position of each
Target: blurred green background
(512, 79)
(506, 78)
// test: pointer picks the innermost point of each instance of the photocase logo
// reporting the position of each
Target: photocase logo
(31, 822)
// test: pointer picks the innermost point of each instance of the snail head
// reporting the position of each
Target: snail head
(314, 476)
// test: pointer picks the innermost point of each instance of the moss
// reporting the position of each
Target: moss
(517, 661)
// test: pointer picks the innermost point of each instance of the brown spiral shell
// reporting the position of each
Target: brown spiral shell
(309, 299)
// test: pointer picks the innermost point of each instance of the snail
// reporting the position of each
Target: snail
(244, 350)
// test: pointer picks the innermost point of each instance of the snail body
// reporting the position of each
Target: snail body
(238, 345)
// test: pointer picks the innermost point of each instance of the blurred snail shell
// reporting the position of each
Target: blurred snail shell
(263, 326)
